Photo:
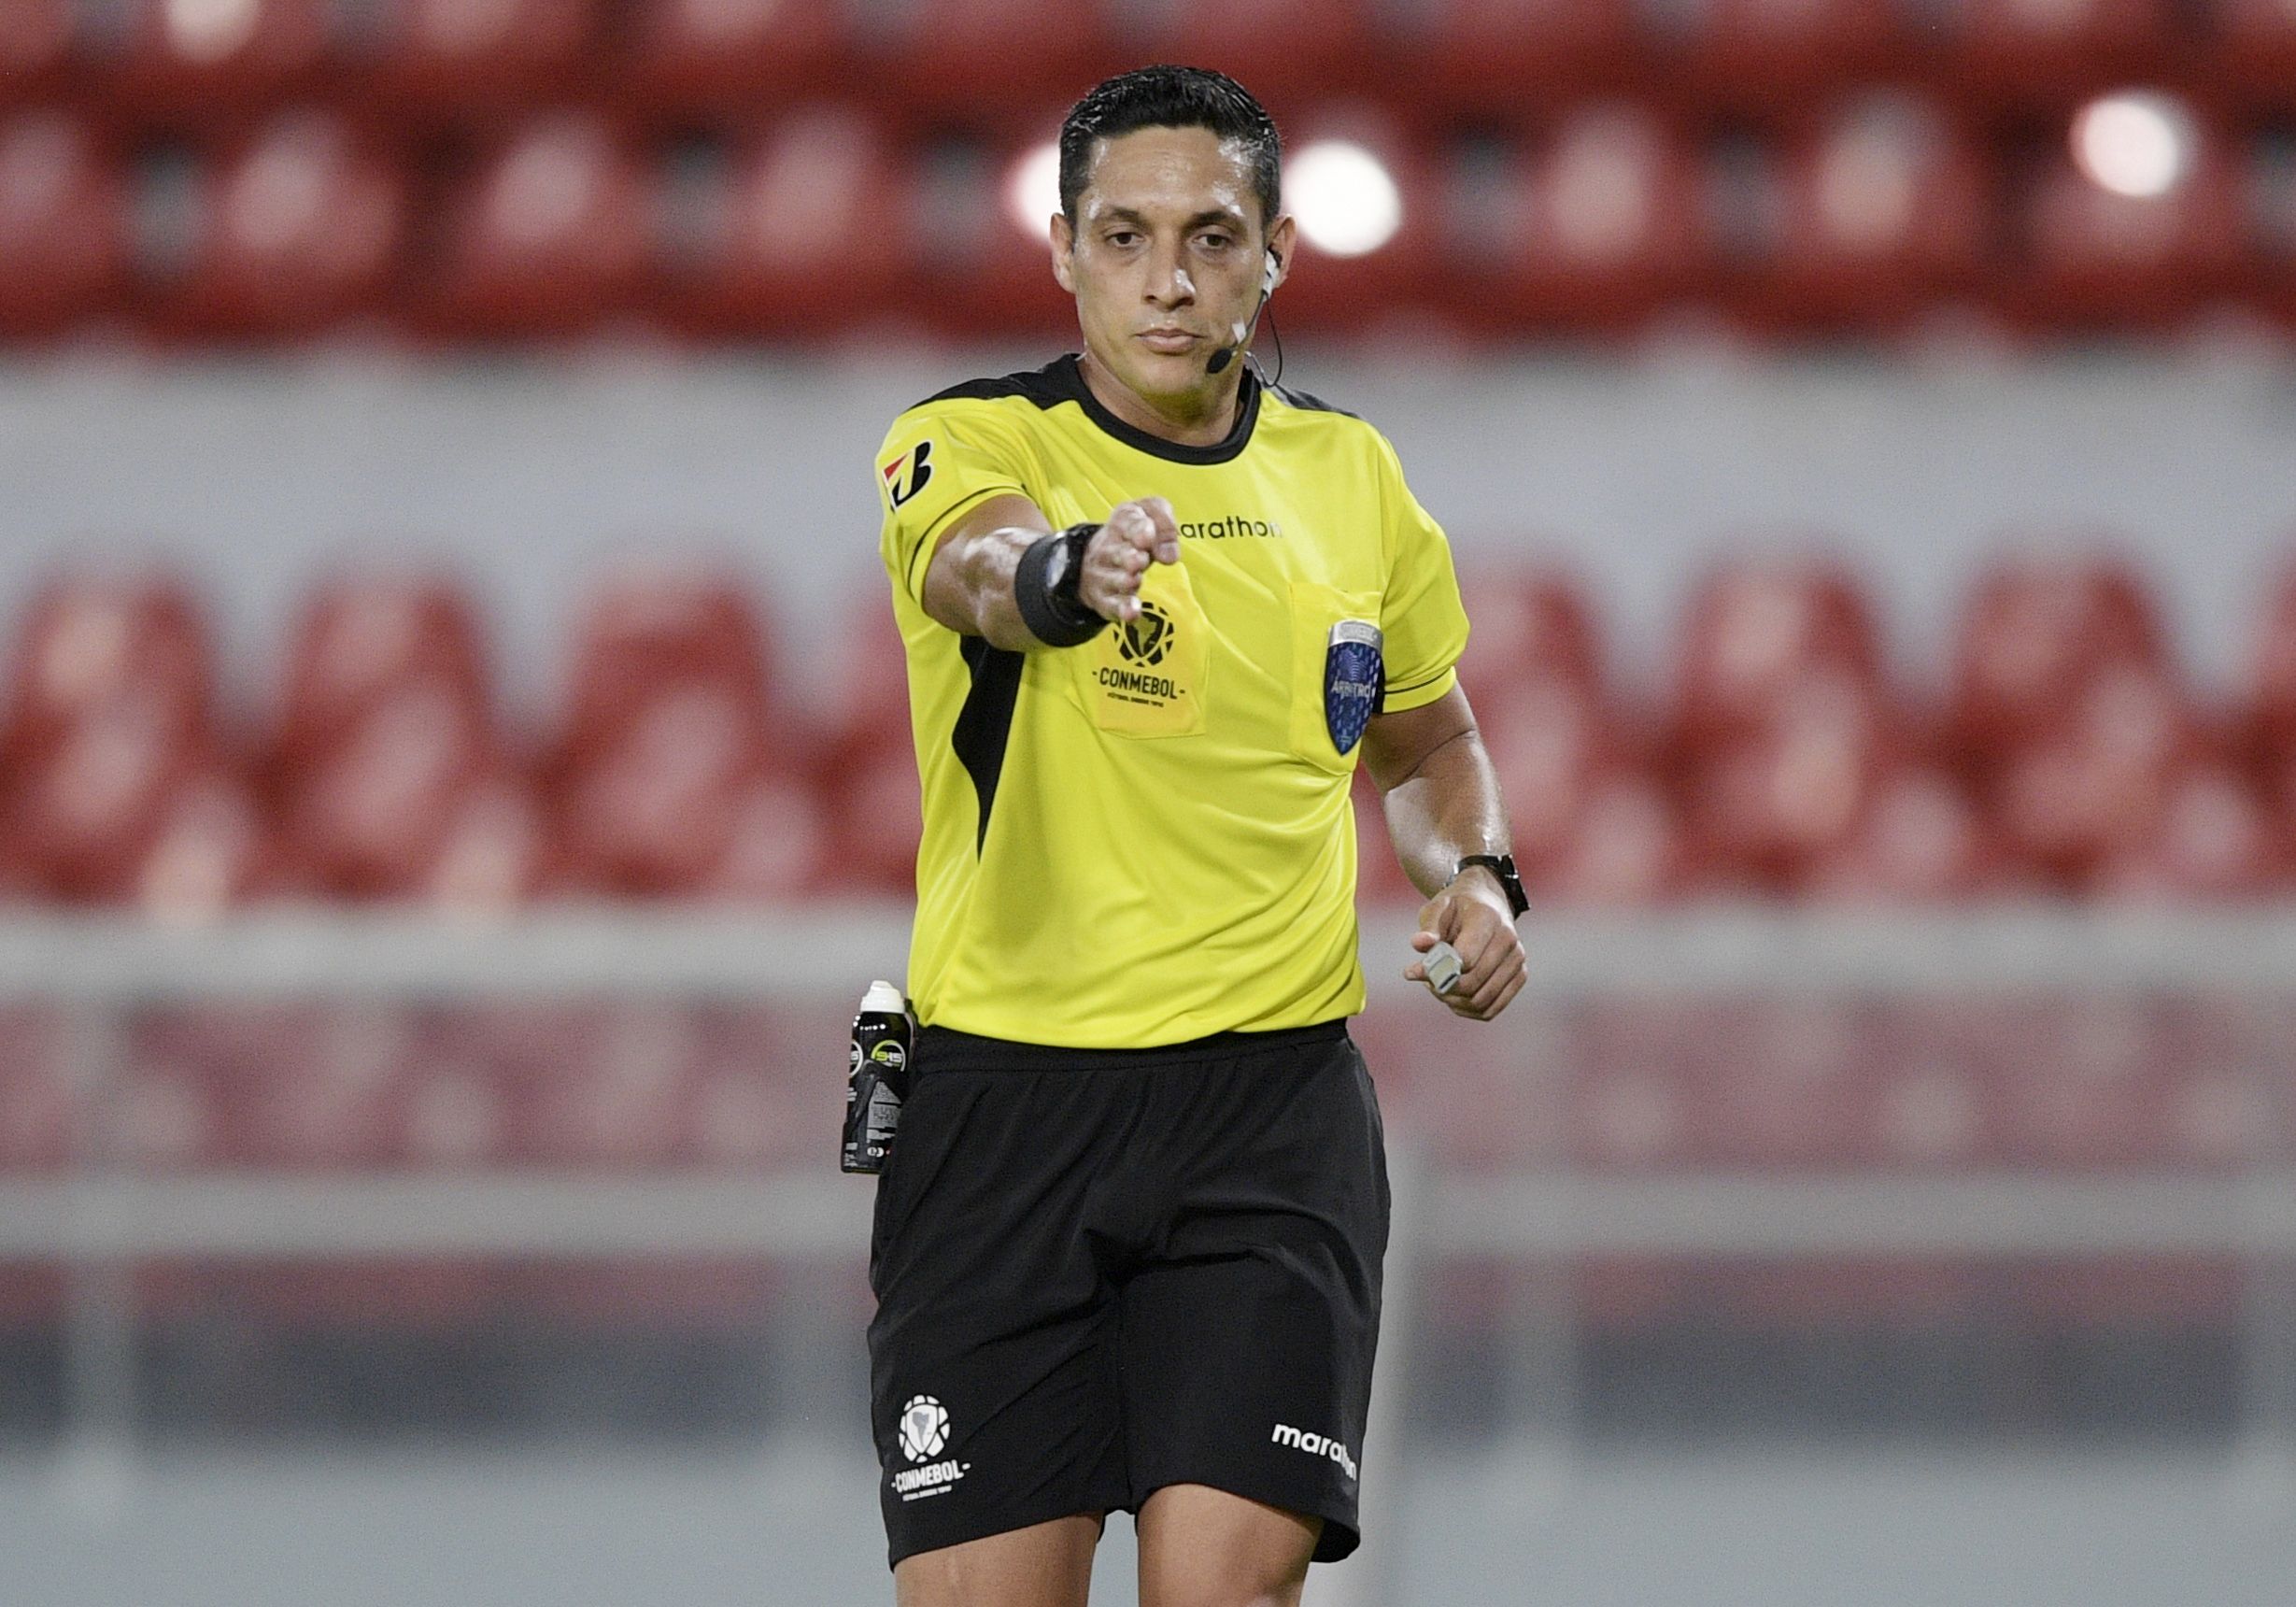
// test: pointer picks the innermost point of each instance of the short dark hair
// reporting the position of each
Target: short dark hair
(1172, 97)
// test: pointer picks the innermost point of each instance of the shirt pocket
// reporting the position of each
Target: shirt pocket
(1150, 677)
(1316, 607)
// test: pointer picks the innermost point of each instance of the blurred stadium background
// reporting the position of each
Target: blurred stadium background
(456, 778)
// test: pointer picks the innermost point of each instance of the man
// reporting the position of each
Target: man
(1126, 1251)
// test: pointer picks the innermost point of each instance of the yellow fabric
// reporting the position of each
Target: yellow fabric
(1170, 849)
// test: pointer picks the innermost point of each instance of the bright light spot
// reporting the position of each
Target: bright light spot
(209, 30)
(1032, 189)
(2138, 145)
(1346, 202)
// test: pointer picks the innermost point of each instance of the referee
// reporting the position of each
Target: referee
(1155, 609)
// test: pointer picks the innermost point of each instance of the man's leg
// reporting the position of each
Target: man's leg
(1202, 1547)
(1044, 1565)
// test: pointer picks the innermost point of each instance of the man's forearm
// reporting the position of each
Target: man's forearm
(982, 568)
(1447, 808)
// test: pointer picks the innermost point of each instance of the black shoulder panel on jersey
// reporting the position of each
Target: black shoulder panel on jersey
(984, 724)
(1292, 398)
(1047, 386)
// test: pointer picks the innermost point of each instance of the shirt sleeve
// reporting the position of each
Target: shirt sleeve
(1422, 619)
(932, 467)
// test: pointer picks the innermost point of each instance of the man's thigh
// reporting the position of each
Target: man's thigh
(1044, 1565)
(1202, 1547)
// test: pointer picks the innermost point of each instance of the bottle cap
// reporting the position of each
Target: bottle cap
(882, 998)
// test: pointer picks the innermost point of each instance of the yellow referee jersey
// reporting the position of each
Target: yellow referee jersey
(1146, 838)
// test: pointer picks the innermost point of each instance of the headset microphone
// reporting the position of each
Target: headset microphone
(1228, 354)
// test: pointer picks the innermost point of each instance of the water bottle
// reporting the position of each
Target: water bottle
(877, 1078)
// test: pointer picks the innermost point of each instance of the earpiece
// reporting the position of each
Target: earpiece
(1226, 354)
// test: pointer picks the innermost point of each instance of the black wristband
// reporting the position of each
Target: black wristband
(1046, 585)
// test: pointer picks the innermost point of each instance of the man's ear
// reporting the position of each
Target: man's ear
(1282, 239)
(1064, 242)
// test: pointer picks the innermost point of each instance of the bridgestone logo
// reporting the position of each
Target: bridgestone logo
(1315, 1445)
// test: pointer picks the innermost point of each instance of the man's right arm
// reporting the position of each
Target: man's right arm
(969, 581)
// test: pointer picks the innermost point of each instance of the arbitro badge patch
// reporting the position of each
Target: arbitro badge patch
(1354, 680)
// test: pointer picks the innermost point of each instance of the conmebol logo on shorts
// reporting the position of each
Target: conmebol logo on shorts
(1315, 1445)
(924, 1431)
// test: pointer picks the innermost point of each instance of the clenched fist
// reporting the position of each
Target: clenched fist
(1137, 535)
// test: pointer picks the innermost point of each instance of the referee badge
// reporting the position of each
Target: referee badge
(1355, 681)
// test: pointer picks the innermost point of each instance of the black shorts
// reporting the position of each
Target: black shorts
(1102, 1272)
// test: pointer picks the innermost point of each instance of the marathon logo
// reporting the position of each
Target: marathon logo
(1315, 1445)
(932, 1479)
(1230, 527)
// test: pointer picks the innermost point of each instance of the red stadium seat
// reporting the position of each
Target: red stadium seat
(551, 235)
(89, 643)
(1626, 850)
(39, 1102)
(360, 642)
(62, 225)
(2272, 677)
(649, 812)
(2253, 43)
(1776, 1084)
(1918, 839)
(208, 852)
(1797, 784)
(304, 226)
(1463, 52)
(482, 56)
(215, 59)
(2094, 784)
(2095, 255)
(495, 850)
(2033, 634)
(1284, 49)
(777, 847)
(1765, 52)
(1932, 1081)
(1883, 208)
(2006, 46)
(872, 794)
(1597, 221)
(2212, 839)
(1757, 632)
(1040, 54)
(984, 262)
(645, 635)
(630, 1103)
(1530, 626)
(798, 236)
(36, 43)
(1553, 745)
(365, 816)
(727, 53)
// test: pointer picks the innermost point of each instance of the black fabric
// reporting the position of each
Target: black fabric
(1062, 380)
(1097, 1278)
(984, 724)
(1054, 611)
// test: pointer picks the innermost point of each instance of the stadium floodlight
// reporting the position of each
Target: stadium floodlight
(209, 30)
(2135, 142)
(1345, 199)
(1032, 189)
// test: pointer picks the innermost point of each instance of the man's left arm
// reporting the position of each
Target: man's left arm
(1443, 802)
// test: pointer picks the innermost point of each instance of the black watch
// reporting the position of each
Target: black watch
(1503, 867)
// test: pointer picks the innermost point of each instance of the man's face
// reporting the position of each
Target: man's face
(1164, 257)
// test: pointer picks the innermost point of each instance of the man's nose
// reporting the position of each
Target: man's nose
(1169, 284)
